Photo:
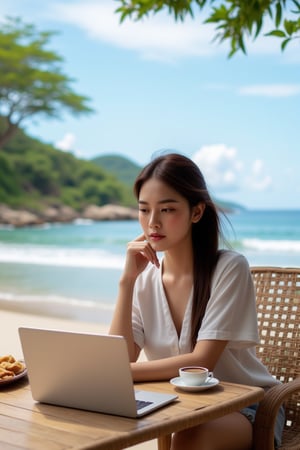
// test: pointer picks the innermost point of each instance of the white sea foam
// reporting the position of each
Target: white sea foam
(81, 221)
(59, 256)
(272, 245)
(96, 258)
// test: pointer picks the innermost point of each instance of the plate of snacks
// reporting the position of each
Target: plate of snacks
(11, 369)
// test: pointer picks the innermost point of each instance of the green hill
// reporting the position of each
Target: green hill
(34, 175)
(122, 168)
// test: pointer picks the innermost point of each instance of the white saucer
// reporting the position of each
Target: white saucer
(181, 385)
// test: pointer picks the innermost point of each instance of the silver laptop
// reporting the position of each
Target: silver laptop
(85, 371)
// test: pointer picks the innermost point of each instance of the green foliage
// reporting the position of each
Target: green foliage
(36, 172)
(72, 196)
(9, 185)
(102, 192)
(290, 29)
(31, 79)
(35, 175)
(234, 19)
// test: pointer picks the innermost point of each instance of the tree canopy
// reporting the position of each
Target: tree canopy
(234, 19)
(31, 78)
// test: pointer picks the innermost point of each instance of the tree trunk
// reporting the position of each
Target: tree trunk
(7, 134)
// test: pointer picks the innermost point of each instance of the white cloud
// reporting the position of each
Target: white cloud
(66, 143)
(224, 171)
(220, 166)
(258, 90)
(157, 37)
(270, 90)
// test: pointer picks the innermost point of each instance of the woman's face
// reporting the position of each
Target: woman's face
(166, 216)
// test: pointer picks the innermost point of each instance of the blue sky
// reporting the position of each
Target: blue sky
(157, 85)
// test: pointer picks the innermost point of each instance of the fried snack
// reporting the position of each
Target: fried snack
(8, 358)
(15, 367)
(10, 367)
(6, 374)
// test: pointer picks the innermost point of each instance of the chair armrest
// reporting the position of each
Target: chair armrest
(263, 429)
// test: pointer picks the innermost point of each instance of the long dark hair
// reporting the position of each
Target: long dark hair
(184, 176)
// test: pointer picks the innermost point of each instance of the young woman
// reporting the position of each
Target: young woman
(195, 306)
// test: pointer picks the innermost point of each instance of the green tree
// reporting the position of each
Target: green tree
(234, 19)
(31, 79)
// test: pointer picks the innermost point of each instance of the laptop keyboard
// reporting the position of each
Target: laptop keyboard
(141, 404)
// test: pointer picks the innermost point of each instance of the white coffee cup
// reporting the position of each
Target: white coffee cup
(194, 375)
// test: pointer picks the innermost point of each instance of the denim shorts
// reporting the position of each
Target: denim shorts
(250, 412)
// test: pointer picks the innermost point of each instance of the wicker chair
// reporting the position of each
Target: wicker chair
(278, 308)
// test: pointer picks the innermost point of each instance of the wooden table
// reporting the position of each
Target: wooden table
(25, 424)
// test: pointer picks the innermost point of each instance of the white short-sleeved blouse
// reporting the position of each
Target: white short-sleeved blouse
(230, 315)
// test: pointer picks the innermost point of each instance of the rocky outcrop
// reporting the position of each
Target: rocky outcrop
(64, 214)
(109, 212)
(59, 214)
(18, 218)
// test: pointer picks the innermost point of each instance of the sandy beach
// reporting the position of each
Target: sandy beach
(11, 321)
(10, 343)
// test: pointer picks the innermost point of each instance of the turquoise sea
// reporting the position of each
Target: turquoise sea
(72, 270)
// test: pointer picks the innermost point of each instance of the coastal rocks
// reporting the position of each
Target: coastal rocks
(59, 214)
(64, 214)
(109, 212)
(18, 218)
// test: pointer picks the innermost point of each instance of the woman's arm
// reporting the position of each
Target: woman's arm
(122, 322)
(139, 254)
(205, 354)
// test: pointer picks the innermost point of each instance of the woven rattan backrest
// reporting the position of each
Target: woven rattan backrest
(278, 309)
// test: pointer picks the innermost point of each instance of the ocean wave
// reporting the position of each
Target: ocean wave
(60, 256)
(262, 245)
(103, 259)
